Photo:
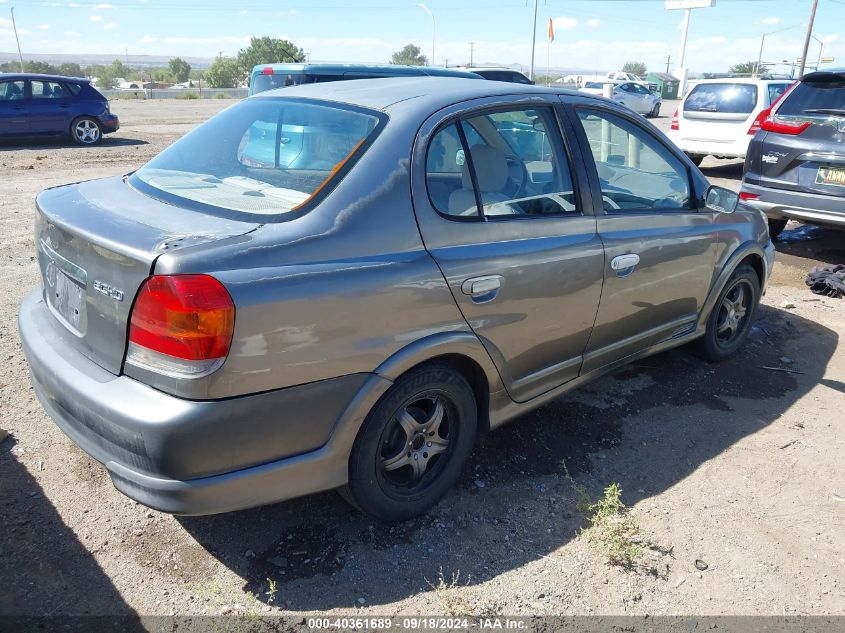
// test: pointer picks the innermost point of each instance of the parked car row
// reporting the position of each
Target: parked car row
(52, 106)
(789, 133)
(340, 285)
(630, 94)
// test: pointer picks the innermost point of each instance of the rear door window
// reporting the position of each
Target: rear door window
(775, 91)
(512, 162)
(11, 90)
(49, 90)
(728, 98)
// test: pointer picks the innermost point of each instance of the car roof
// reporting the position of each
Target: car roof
(429, 93)
(18, 76)
(389, 69)
(741, 80)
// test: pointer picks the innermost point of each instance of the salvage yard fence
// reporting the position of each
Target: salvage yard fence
(186, 93)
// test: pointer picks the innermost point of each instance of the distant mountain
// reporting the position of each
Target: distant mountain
(88, 59)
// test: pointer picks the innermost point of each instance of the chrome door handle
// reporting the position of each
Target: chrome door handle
(623, 263)
(482, 289)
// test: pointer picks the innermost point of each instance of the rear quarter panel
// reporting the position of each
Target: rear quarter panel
(334, 292)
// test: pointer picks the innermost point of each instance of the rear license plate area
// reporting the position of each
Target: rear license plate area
(67, 300)
(831, 176)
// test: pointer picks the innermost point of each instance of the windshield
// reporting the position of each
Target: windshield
(728, 98)
(821, 96)
(263, 156)
(262, 82)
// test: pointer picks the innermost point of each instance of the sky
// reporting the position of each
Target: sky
(589, 34)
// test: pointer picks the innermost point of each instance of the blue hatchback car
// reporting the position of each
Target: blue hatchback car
(49, 105)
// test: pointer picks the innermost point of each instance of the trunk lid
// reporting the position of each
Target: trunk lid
(97, 242)
(810, 162)
(810, 157)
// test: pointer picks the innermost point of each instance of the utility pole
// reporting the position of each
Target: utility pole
(433, 29)
(533, 43)
(668, 61)
(15, 28)
(807, 38)
(471, 47)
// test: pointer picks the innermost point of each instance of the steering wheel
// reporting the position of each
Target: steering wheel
(517, 177)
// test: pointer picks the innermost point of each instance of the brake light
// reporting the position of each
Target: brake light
(181, 325)
(745, 195)
(267, 71)
(758, 121)
(792, 128)
(674, 125)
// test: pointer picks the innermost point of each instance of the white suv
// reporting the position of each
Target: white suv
(719, 117)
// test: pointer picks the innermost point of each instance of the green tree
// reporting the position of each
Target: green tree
(410, 55)
(268, 50)
(748, 68)
(180, 70)
(223, 73)
(118, 70)
(70, 69)
(635, 68)
(42, 68)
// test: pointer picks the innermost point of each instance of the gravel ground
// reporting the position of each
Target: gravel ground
(734, 465)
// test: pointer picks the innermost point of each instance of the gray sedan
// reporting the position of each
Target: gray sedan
(340, 285)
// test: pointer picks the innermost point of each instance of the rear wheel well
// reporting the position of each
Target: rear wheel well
(476, 378)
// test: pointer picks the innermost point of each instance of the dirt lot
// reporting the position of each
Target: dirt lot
(735, 465)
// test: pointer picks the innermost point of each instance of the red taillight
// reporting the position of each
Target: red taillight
(792, 128)
(267, 71)
(758, 121)
(674, 125)
(181, 324)
(745, 195)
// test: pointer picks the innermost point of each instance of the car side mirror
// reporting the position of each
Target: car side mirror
(721, 200)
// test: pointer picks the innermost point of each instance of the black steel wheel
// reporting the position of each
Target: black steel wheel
(730, 321)
(413, 444)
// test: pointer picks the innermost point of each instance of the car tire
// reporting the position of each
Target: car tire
(696, 158)
(655, 112)
(86, 131)
(776, 227)
(392, 475)
(728, 325)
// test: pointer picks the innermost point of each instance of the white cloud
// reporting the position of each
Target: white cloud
(74, 5)
(286, 12)
(147, 39)
(564, 23)
(110, 25)
(593, 23)
(73, 34)
(770, 20)
(96, 18)
(104, 6)
(43, 27)
(224, 39)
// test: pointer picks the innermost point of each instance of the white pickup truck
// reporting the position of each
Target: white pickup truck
(614, 77)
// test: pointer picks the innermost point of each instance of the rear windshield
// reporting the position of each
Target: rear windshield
(262, 156)
(262, 82)
(727, 98)
(823, 96)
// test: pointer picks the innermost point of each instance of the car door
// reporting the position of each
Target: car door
(624, 95)
(13, 119)
(660, 247)
(501, 210)
(50, 109)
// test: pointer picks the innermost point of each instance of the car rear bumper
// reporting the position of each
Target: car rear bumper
(185, 456)
(794, 205)
(734, 149)
(109, 123)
